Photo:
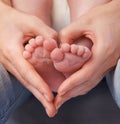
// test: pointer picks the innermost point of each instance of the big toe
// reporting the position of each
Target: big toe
(57, 55)
(50, 44)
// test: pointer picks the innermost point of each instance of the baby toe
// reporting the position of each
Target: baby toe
(27, 55)
(57, 55)
(65, 47)
(74, 48)
(32, 43)
(39, 40)
(50, 44)
(80, 50)
(87, 53)
(29, 48)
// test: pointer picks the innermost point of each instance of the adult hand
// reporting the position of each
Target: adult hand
(102, 26)
(16, 28)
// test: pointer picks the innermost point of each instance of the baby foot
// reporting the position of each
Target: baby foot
(37, 52)
(70, 58)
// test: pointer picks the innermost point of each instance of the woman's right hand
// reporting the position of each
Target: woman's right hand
(102, 26)
(15, 29)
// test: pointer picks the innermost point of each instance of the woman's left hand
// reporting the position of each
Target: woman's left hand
(102, 26)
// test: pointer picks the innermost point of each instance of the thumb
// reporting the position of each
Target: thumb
(33, 26)
(74, 31)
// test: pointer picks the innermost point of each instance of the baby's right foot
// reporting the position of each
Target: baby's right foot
(70, 58)
(37, 52)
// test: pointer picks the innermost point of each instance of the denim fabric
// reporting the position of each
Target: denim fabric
(12, 94)
(113, 81)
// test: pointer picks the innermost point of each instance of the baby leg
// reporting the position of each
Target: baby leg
(39, 8)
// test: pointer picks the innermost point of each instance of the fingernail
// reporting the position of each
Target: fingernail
(49, 113)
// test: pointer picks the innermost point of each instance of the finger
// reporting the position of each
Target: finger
(59, 100)
(15, 72)
(50, 108)
(76, 91)
(37, 27)
(101, 59)
(79, 90)
(74, 31)
(28, 73)
(33, 78)
(86, 73)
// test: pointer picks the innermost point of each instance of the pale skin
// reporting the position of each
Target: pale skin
(70, 58)
(39, 51)
(17, 28)
(70, 52)
(97, 25)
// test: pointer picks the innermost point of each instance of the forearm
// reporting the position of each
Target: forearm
(117, 2)
(5, 7)
(7, 2)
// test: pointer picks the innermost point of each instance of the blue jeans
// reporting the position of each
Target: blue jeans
(12, 94)
(113, 81)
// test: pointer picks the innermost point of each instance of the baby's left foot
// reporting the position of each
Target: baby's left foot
(70, 58)
(37, 52)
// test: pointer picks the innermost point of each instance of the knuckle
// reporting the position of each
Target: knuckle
(38, 87)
